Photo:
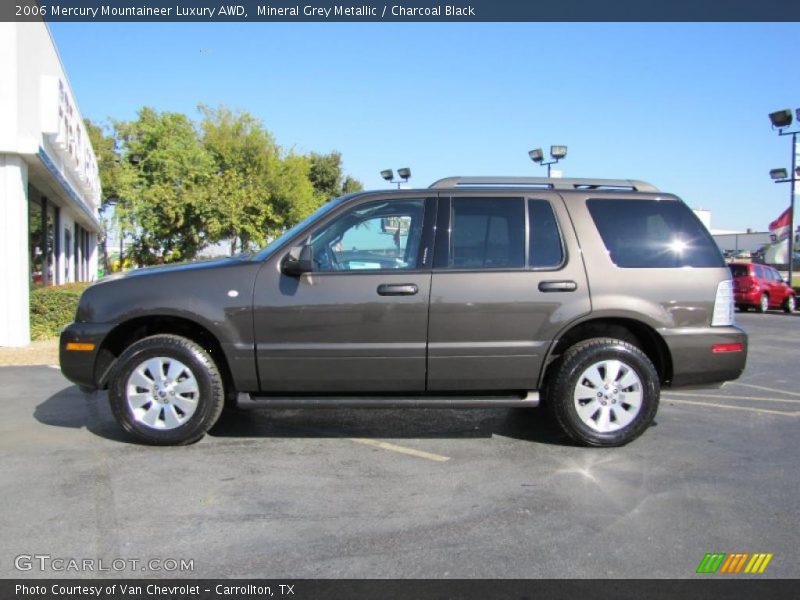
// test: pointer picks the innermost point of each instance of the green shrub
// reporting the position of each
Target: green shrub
(52, 308)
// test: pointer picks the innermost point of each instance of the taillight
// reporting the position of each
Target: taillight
(747, 284)
(723, 305)
(722, 348)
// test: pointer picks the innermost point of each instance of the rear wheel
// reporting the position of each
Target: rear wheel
(166, 390)
(605, 392)
(763, 304)
(789, 304)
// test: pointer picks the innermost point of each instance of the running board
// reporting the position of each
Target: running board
(531, 399)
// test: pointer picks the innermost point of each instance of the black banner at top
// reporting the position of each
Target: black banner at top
(398, 10)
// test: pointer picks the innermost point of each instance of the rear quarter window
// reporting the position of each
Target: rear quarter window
(545, 250)
(653, 234)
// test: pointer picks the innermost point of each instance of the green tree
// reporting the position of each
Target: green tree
(351, 185)
(293, 192)
(327, 177)
(164, 175)
(256, 191)
(179, 186)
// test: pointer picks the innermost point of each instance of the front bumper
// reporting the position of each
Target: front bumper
(694, 362)
(80, 365)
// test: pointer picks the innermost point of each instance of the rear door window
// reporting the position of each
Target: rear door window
(653, 234)
(487, 233)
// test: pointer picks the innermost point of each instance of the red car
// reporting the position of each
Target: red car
(760, 287)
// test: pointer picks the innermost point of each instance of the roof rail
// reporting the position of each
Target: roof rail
(547, 183)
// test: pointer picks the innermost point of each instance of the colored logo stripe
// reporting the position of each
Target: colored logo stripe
(733, 563)
(711, 562)
(758, 564)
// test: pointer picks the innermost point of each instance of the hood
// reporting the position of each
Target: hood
(199, 265)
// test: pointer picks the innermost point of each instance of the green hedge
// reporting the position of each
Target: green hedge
(53, 307)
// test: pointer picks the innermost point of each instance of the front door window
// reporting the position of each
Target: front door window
(377, 236)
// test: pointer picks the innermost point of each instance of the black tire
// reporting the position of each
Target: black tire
(789, 304)
(575, 363)
(763, 305)
(208, 399)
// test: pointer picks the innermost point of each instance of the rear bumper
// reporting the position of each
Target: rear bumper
(79, 366)
(752, 297)
(694, 362)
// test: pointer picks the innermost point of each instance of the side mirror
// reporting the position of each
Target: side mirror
(298, 260)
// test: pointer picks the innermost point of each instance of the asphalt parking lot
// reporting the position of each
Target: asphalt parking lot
(410, 493)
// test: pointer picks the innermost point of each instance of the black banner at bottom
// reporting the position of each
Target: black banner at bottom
(389, 589)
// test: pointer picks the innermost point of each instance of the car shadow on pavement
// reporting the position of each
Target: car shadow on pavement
(533, 425)
(73, 409)
(780, 313)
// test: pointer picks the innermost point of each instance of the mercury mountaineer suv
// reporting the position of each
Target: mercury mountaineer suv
(586, 295)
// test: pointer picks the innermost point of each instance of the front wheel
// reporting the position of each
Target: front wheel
(605, 392)
(789, 304)
(166, 390)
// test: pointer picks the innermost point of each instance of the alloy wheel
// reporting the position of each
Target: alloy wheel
(162, 393)
(608, 396)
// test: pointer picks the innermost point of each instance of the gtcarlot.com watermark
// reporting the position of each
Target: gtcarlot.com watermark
(58, 564)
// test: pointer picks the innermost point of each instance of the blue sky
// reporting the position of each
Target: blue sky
(683, 106)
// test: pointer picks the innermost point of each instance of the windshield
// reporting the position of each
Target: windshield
(296, 229)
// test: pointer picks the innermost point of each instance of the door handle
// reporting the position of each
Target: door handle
(558, 286)
(397, 289)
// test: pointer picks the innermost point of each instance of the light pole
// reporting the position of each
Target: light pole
(782, 121)
(556, 153)
(404, 174)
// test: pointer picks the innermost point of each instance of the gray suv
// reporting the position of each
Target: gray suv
(588, 296)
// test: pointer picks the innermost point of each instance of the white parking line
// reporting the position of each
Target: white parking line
(727, 397)
(729, 407)
(400, 449)
(762, 387)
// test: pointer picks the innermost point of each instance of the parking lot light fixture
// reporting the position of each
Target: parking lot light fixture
(556, 153)
(404, 174)
(782, 120)
(537, 155)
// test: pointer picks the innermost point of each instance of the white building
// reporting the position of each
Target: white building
(49, 184)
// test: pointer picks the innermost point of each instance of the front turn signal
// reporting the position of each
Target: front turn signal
(80, 346)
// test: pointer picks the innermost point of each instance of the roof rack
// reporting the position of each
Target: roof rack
(551, 183)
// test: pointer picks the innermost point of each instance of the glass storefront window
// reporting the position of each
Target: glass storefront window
(35, 241)
(41, 241)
